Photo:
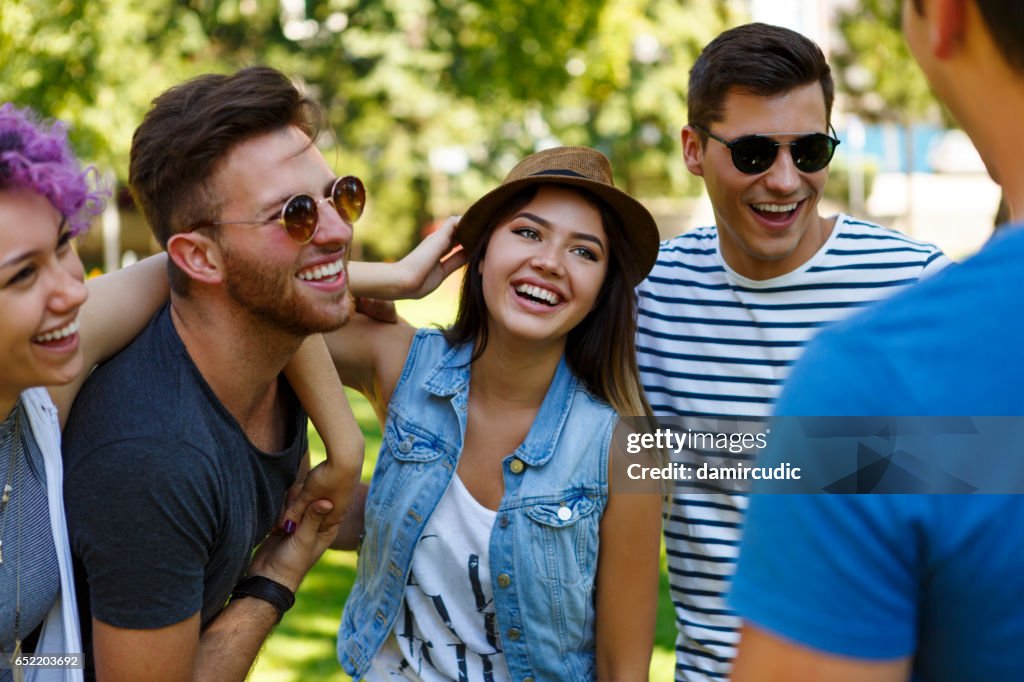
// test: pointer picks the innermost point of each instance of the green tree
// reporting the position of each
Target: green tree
(629, 99)
(875, 68)
(431, 101)
(880, 77)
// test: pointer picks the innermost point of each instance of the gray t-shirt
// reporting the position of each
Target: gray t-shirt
(166, 497)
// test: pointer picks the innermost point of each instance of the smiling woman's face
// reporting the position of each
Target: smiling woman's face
(544, 267)
(41, 290)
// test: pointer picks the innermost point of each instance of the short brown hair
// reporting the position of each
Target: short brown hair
(757, 58)
(191, 128)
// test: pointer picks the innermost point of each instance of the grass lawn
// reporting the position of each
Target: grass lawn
(302, 647)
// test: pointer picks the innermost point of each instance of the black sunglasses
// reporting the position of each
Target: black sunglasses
(300, 215)
(753, 154)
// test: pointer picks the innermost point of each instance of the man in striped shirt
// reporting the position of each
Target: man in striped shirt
(728, 308)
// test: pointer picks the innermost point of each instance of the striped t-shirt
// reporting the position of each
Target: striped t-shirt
(714, 343)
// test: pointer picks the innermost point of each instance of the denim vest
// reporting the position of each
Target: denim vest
(543, 546)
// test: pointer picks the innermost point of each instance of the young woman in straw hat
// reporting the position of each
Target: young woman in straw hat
(494, 547)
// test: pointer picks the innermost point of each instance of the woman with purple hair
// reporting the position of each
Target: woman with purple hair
(49, 337)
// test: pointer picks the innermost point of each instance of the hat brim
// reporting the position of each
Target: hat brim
(639, 227)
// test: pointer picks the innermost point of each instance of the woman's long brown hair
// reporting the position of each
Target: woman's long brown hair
(601, 349)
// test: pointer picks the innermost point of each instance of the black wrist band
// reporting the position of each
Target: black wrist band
(279, 596)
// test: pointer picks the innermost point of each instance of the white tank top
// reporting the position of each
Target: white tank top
(447, 628)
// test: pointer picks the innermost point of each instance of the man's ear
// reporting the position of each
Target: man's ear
(946, 26)
(693, 150)
(198, 256)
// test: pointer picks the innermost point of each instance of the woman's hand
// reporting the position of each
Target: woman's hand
(328, 480)
(416, 275)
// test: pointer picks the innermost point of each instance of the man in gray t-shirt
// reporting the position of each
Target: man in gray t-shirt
(169, 502)
(180, 450)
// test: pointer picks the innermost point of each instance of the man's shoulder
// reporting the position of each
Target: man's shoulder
(159, 459)
(980, 287)
(149, 392)
(693, 253)
(143, 365)
(919, 343)
(854, 227)
(698, 241)
(853, 232)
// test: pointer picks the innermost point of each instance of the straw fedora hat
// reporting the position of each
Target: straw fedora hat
(580, 167)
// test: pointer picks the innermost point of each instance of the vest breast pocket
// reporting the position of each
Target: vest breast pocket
(406, 449)
(564, 538)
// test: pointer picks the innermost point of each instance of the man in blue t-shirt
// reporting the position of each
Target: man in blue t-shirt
(882, 587)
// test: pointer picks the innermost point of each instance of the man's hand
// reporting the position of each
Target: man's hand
(287, 558)
(353, 524)
(378, 309)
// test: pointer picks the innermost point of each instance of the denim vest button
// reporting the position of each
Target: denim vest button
(513, 634)
(564, 513)
(516, 466)
(405, 446)
(504, 580)
(504, 521)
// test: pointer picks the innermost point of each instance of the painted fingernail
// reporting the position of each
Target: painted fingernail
(289, 526)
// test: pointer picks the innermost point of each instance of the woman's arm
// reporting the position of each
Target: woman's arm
(120, 304)
(627, 581)
(315, 381)
(369, 356)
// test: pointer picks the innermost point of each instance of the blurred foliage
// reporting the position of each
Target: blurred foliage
(630, 101)
(875, 68)
(431, 101)
(837, 189)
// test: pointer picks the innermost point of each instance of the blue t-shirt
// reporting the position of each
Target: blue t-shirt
(936, 577)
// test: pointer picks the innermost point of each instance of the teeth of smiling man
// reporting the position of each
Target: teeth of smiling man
(776, 208)
(323, 271)
(66, 330)
(549, 297)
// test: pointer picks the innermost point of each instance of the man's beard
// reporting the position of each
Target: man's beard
(273, 298)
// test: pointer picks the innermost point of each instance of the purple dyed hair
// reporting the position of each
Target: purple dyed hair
(35, 155)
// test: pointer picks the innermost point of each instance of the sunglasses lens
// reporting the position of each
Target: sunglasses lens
(753, 154)
(300, 217)
(813, 152)
(349, 197)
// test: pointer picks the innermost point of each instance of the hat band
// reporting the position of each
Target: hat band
(559, 172)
